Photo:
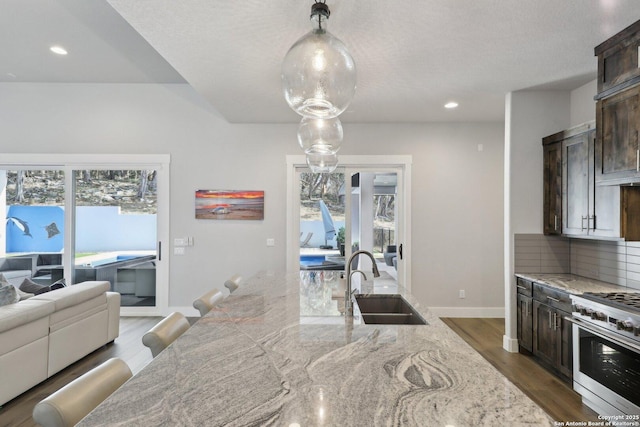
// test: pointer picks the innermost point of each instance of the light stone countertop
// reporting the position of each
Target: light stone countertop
(574, 284)
(257, 361)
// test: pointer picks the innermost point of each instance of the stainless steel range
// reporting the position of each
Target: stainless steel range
(606, 351)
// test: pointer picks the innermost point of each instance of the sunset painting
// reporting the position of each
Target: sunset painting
(229, 204)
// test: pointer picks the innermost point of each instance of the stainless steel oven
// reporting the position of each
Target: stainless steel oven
(606, 353)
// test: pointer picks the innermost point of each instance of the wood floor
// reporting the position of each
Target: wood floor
(553, 395)
(484, 335)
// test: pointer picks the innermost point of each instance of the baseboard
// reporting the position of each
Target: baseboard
(467, 311)
(510, 344)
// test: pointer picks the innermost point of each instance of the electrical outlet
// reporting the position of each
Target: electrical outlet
(461, 294)
(179, 250)
(271, 242)
(179, 241)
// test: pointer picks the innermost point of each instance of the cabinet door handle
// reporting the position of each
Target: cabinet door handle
(521, 287)
(555, 222)
(582, 228)
(637, 157)
(589, 225)
(555, 321)
(550, 320)
(553, 299)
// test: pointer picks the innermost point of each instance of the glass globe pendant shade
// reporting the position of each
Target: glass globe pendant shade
(321, 136)
(322, 163)
(318, 73)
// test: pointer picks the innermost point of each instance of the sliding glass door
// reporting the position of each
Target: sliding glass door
(78, 218)
(116, 215)
(372, 208)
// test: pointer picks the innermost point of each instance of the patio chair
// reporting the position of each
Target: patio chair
(305, 243)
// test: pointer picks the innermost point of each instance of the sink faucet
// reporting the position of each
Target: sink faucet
(348, 304)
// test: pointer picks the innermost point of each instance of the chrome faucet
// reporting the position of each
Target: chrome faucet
(348, 304)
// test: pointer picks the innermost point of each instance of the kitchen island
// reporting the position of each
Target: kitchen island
(278, 352)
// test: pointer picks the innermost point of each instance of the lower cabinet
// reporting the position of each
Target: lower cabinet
(550, 333)
(525, 315)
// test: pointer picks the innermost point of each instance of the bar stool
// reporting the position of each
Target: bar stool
(233, 283)
(67, 406)
(165, 332)
(207, 301)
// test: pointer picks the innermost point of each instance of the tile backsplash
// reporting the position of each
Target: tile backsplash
(609, 261)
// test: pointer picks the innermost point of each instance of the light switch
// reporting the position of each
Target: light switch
(179, 241)
(178, 250)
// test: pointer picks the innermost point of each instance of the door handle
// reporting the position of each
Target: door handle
(400, 251)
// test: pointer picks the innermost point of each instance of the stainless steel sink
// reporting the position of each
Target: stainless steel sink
(390, 309)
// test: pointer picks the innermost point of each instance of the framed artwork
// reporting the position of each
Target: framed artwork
(229, 204)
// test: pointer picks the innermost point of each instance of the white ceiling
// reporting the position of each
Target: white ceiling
(411, 56)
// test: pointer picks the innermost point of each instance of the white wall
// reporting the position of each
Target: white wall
(531, 115)
(583, 106)
(457, 196)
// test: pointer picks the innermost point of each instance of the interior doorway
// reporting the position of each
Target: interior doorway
(372, 187)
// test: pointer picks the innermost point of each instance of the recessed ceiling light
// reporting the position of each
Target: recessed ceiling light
(450, 105)
(58, 49)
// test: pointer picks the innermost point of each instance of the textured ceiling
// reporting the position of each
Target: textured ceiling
(411, 56)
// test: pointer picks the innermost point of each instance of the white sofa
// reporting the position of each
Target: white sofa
(44, 334)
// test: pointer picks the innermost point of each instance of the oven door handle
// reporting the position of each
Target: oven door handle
(603, 333)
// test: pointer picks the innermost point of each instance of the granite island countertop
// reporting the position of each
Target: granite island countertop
(278, 352)
(573, 283)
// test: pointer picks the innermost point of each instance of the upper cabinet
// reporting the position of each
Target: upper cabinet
(617, 149)
(552, 149)
(573, 204)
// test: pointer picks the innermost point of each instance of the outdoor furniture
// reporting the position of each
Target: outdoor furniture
(390, 254)
(305, 243)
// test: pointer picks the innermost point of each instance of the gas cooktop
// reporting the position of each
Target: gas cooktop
(623, 300)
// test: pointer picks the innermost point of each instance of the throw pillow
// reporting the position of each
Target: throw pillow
(8, 294)
(32, 287)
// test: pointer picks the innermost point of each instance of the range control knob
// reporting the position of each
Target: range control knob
(586, 311)
(625, 325)
(577, 308)
(636, 331)
(598, 315)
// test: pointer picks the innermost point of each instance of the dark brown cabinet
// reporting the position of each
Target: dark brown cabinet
(552, 197)
(617, 154)
(588, 210)
(525, 315)
(542, 327)
(617, 151)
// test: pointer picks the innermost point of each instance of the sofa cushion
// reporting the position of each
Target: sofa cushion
(14, 315)
(74, 294)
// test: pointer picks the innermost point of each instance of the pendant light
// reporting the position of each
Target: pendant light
(320, 136)
(322, 163)
(318, 72)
